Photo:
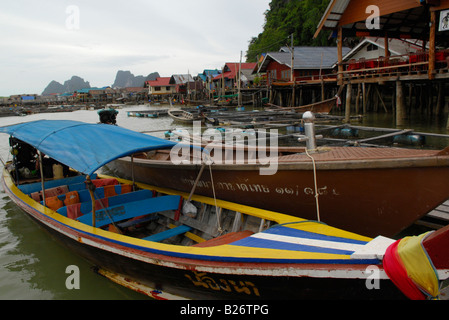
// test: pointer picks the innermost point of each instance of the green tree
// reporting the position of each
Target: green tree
(284, 18)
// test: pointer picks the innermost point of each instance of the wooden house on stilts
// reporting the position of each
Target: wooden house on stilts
(414, 81)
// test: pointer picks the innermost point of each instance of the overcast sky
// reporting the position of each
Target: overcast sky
(50, 40)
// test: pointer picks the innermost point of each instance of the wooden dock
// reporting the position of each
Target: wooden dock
(437, 218)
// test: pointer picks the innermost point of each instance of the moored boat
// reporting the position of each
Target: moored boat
(323, 107)
(365, 190)
(169, 244)
(183, 116)
(147, 113)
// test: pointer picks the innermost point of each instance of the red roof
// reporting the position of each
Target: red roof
(159, 82)
(231, 69)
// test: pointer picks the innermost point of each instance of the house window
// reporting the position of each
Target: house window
(285, 74)
(372, 47)
(167, 88)
(157, 88)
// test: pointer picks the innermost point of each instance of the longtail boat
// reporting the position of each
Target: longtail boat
(323, 107)
(366, 190)
(174, 245)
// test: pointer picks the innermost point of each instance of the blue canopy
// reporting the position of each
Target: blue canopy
(84, 147)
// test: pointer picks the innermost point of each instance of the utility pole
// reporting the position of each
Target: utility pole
(292, 76)
(239, 79)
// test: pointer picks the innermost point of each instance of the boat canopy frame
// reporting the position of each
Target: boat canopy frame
(85, 147)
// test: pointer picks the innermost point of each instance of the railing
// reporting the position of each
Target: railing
(410, 63)
(306, 79)
(413, 63)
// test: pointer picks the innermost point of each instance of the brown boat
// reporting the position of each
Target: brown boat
(323, 107)
(365, 190)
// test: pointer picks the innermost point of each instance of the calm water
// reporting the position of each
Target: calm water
(33, 264)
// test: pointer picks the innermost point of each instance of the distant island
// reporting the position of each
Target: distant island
(123, 79)
(75, 83)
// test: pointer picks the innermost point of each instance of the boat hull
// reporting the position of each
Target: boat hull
(363, 199)
(323, 107)
(199, 279)
(187, 281)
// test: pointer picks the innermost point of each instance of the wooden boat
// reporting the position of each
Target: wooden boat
(366, 190)
(172, 245)
(323, 107)
(183, 116)
(148, 113)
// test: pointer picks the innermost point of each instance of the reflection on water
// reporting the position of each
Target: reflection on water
(417, 121)
(32, 263)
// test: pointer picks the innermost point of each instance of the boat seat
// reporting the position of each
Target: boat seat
(168, 233)
(50, 192)
(84, 195)
(105, 192)
(137, 220)
(130, 210)
(225, 239)
(85, 204)
(37, 186)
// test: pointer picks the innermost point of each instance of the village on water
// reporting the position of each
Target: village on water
(337, 217)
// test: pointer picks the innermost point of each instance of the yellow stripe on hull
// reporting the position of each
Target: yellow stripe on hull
(220, 251)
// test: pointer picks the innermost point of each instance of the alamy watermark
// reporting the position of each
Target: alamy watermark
(72, 21)
(373, 20)
(73, 280)
(232, 146)
(373, 277)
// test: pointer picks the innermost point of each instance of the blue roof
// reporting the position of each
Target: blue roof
(84, 147)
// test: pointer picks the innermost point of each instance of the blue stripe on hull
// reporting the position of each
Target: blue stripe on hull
(285, 231)
(271, 244)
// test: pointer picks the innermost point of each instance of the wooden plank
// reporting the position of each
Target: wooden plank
(432, 45)
(356, 10)
(168, 233)
(439, 215)
(37, 186)
(402, 66)
(131, 210)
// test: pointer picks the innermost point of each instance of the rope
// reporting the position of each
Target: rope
(296, 222)
(316, 187)
(220, 229)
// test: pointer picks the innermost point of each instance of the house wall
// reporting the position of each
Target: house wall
(277, 71)
(367, 52)
(160, 90)
(281, 72)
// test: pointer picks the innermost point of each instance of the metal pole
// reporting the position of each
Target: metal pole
(132, 171)
(41, 169)
(91, 188)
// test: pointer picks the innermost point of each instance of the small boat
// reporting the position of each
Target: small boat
(183, 116)
(147, 113)
(367, 190)
(174, 245)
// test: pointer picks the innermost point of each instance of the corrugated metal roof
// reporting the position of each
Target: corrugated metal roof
(305, 57)
(332, 15)
(181, 78)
